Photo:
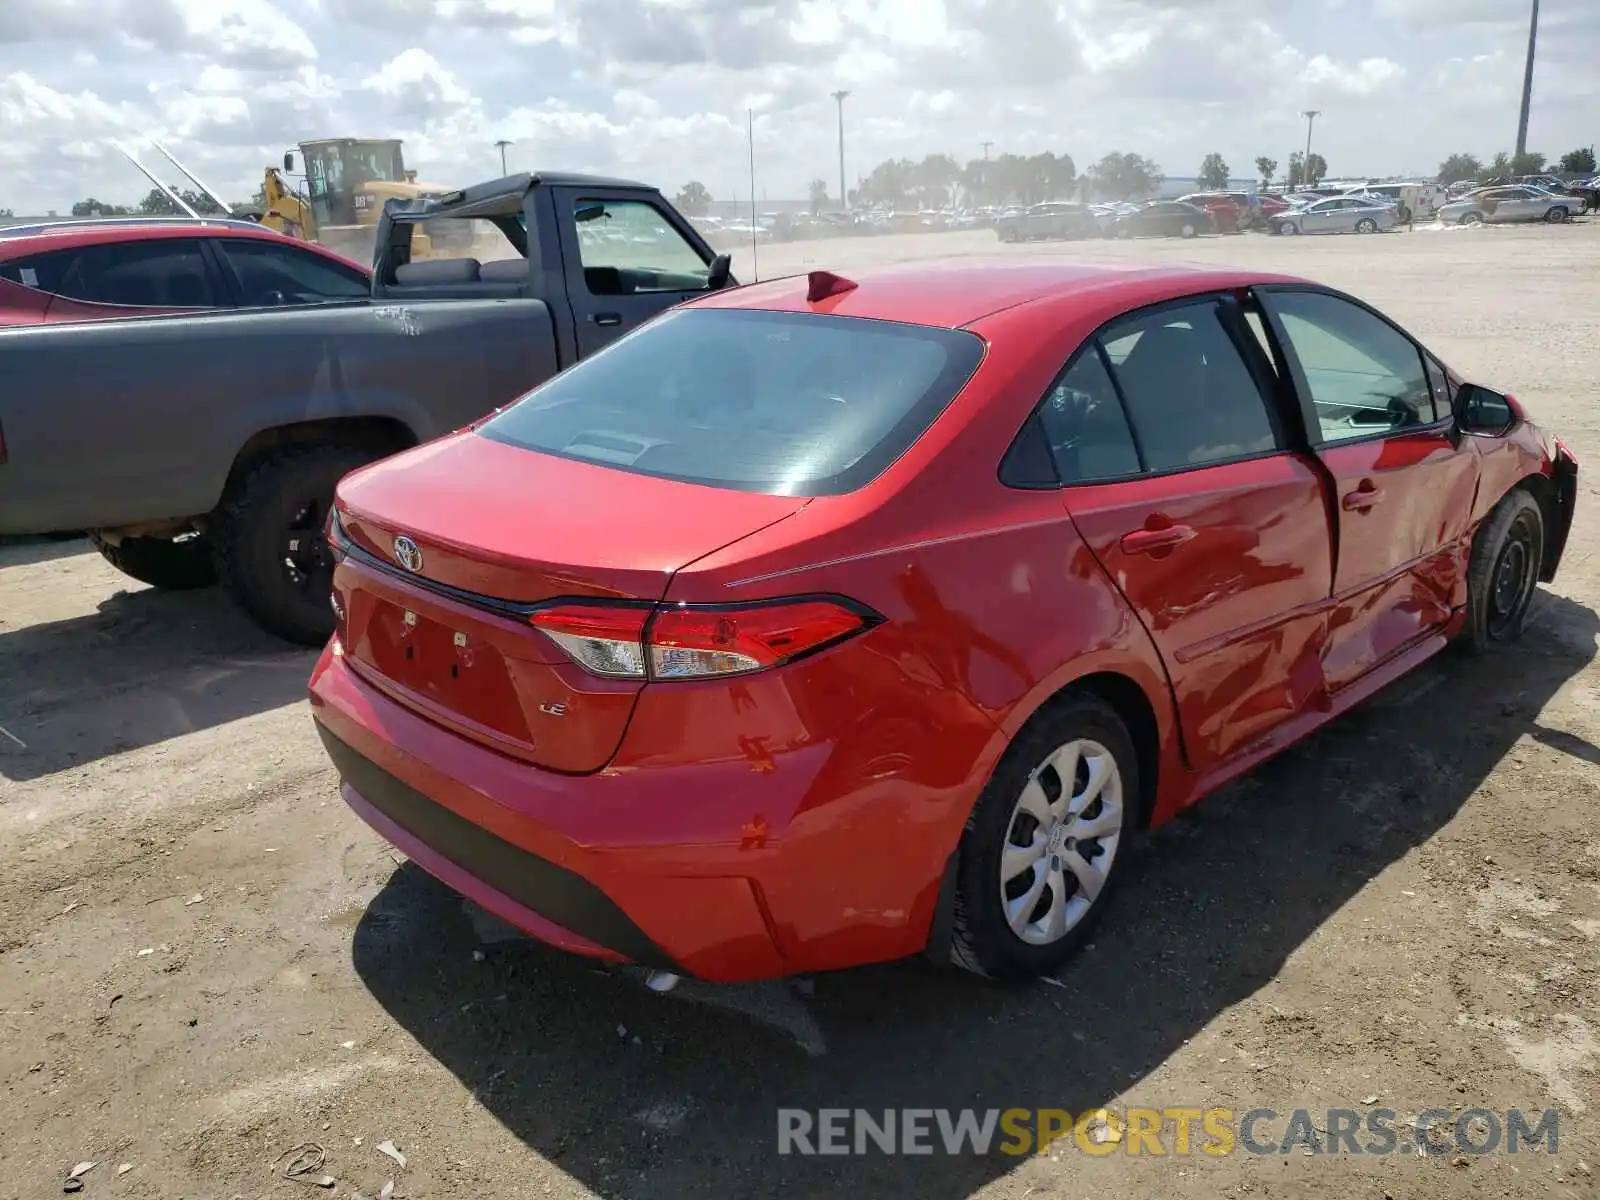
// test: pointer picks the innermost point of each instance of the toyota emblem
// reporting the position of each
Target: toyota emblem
(407, 554)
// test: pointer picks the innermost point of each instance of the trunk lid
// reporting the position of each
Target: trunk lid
(496, 527)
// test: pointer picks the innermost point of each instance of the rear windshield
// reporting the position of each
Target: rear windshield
(791, 404)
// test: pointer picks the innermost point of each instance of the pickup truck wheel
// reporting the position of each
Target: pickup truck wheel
(273, 549)
(161, 562)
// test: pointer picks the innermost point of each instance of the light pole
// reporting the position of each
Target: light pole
(1310, 114)
(1527, 84)
(844, 196)
(502, 144)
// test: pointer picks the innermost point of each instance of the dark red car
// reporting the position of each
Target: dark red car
(95, 270)
(1231, 212)
(826, 621)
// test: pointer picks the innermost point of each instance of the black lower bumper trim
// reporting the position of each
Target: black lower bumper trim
(552, 891)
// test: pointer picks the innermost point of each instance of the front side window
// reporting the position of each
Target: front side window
(629, 247)
(1364, 376)
(790, 404)
(271, 275)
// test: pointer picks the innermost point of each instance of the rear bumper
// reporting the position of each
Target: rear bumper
(551, 853)
(557, 905)
(725, 866)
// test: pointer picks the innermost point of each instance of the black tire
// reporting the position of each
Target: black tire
(1556, 215)
(1366, 225)
(278, 510)
(1189, 230)
(161, 562)
(1287, 229)
(983, 941)
(1471, 218)
(1503, 572)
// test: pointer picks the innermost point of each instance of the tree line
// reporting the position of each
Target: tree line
(158, 203)
(1461, 168)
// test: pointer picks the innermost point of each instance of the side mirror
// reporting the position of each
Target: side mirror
(1481, 411)
(288, 162)
(721, 272)
(588, 212)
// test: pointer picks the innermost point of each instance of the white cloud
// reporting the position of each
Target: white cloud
(658, 88)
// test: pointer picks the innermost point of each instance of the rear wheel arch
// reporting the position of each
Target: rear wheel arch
(381, 436)
(1131, 701)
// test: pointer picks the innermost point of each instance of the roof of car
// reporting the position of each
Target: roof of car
(69, 235)
(956, 293)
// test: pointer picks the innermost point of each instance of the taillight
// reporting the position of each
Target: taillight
(688, 641)
(604, 640)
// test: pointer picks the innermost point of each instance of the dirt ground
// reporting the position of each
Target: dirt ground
(206, 960)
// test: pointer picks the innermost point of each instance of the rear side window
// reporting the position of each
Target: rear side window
(794, 404)
(1189, 394)
(42, 271)
(166, 273)
(1084, 423)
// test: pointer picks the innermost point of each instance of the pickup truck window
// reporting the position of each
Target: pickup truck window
(169, 273)
(629, 246)
(269, 275)
(790, 404)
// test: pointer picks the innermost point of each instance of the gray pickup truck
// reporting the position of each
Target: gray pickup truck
(206, 447)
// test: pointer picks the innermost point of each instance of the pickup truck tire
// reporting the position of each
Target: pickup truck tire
(271, 547)
(161, 562)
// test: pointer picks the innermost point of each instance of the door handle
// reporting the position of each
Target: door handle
(1148, 541)
(1364, 497)
(606, 319)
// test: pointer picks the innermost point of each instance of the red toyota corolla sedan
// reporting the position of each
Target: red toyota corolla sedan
(825, 621)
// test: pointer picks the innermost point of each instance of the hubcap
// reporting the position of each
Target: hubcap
(1061, 842)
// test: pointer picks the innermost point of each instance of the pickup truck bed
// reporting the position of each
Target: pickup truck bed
(203, 446)
(135, 421)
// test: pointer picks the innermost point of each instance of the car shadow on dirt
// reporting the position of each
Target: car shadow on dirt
(636, 1094)
(144, 667)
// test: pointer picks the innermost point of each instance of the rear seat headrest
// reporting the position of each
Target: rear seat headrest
(439, 270)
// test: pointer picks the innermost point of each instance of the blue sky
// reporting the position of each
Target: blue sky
(658, 89)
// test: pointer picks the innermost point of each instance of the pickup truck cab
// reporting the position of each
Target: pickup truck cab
(199, 447)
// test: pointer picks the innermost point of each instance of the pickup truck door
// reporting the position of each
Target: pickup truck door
(1377, 413)
(628, 256)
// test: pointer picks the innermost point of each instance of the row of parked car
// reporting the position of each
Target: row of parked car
(1198, 213)
(1369, 208)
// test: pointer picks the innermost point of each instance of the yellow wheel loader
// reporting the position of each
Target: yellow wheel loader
(347, 182)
